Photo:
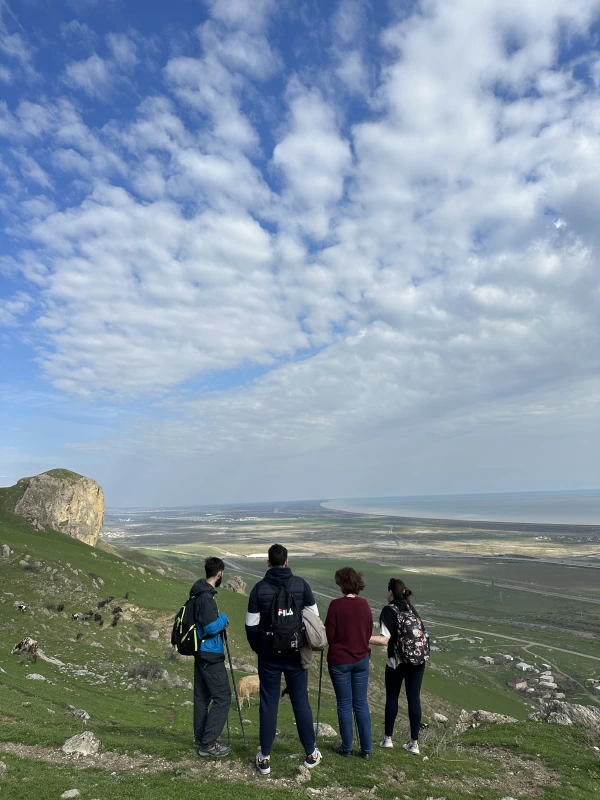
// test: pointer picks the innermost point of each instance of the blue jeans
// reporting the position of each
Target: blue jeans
(270, 673)
(350, 683)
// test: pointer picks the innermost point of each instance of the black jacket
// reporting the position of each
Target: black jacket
(209, 623)
(258, 617)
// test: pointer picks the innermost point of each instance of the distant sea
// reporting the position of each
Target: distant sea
(559, 508)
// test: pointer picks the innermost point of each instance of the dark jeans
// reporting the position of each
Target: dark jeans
(211, 688)
(350, 683)
(412, 677)
(270, 673)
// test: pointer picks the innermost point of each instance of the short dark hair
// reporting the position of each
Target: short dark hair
(213, 565)
(278, 555)
(349, 580)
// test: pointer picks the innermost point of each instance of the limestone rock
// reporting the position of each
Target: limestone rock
(235, 584)
(554, 711)
(3, 769)
(5, 551)
(70, 793)
(64, 501)
(35, 676)
(83, 744)
(325, 730)
(473, 719)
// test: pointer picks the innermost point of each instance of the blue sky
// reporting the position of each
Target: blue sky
(298, 249)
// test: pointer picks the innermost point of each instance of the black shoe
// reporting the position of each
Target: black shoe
(366, 756)
(214, 750)
(337, 748)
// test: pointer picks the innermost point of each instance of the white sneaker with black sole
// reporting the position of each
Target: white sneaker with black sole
(386, 742)
(263, 764)
(313, 760)
(412, 747)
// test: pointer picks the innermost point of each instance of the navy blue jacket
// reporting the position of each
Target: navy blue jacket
(258, 618)
(209, 623)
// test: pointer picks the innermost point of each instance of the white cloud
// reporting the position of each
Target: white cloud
(11, 308)
(93, 76)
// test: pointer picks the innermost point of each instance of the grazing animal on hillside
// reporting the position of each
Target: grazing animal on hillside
(21, 607)
(60, 607)
(248, 685)
(117, 610)
(27, 645)
(101, 623)
(76, 616)
(79, 637)
(126, 595)
(88, 615)
(97, 617)
(115, 620)
(103, 603)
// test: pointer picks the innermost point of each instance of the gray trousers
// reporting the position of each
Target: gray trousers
(212, 699)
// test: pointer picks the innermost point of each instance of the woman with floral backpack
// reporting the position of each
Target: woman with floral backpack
(407, 641)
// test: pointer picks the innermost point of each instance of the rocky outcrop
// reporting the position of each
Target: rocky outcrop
(83, 744)
(473, 719)
(235, 584)
(568, 714)
(64, 501)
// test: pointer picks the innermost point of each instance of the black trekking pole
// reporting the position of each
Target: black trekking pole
(319, 698)
(237, 699)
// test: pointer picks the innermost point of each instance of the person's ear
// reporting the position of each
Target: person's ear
(286, 563)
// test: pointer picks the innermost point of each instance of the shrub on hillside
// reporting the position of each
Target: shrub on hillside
(146, 669)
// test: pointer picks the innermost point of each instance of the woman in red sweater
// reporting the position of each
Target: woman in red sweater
(349, 626)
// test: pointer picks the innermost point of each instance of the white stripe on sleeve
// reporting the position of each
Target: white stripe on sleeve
(384, 631)
(314, 609)
(252, 619)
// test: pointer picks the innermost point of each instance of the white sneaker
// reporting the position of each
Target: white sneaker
(314, 759)
(263, 765)
(412, 747)
(386, 742)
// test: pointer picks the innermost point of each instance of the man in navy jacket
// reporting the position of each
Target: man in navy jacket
(271, 663)
(212, 693)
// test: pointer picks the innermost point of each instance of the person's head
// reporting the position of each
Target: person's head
(349, 580)
(278, 556)
(398, 591)
(213, 567)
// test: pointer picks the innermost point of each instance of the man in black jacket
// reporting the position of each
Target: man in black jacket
(211, 684)
(272, 663)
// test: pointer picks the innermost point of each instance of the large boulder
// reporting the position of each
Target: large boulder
(473, 719)
(64, 501)
(83, 744)
(235, 584)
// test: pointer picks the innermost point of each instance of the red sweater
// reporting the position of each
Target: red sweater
(349, 627)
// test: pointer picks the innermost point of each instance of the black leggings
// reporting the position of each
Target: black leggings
(412, 677)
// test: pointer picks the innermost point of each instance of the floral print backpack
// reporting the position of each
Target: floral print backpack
(412, 640)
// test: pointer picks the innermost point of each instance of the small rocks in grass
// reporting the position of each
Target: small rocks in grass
(35, 676)
(83, 744)
(303, 774)
(70, 793)
(3, 769)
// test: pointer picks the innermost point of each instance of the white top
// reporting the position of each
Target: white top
(383, 630)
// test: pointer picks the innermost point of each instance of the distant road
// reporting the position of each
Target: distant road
(523, 589)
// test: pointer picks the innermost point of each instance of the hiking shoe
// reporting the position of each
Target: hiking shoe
(386, 742)
(412, 747)
(337, 748)
(214, 750)
(263, 764)
(314, 759)
(365, 755)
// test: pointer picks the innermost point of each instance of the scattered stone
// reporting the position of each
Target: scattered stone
(154, 635)
(440, 718)
(23, 564)
(70, 793)
(5, 551)
(3, 769)
(303, 774)
(141, 570)
(324, 730)
(187, 703)
(96, 644)
(84, 744)
(80, 714)
(35, 676)
(49, 659)
(139, 652)
(160, 571)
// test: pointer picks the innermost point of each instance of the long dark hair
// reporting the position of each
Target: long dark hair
(401, 592)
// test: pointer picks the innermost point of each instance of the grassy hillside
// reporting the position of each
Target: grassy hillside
(145, 726)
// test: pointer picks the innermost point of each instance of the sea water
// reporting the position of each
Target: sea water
(560, 508)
